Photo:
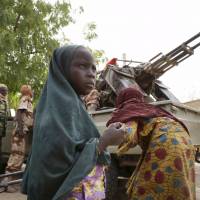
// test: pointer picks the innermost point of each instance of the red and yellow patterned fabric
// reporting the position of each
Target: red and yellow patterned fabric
(166, 168)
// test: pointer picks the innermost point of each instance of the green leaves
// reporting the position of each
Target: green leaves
(27, 30)
(89, 32)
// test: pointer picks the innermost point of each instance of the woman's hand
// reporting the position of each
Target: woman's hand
(113, 135)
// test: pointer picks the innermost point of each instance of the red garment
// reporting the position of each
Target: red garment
(130, 105)
(113, 61)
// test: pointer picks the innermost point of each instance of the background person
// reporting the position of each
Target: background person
(24, 123)
(3, 115)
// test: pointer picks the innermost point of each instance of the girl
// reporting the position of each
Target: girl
(68, 154)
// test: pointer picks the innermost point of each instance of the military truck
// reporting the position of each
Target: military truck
(145, 77)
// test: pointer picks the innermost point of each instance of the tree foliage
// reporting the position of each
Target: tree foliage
(27, 38)
(28, 34)
(89, 32)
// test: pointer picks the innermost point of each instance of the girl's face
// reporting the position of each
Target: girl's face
(82, 72)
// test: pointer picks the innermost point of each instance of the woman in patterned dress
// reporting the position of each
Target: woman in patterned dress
(166, 167)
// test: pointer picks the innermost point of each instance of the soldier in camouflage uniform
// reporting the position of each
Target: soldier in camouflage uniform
(3, 112)
(91, 100)
(24, 123)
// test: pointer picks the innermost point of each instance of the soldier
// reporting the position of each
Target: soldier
(3, 112)
(92, 100)
(24, 123)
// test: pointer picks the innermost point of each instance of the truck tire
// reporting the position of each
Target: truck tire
(112, 180)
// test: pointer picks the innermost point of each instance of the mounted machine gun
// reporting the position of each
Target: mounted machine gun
(146, 75)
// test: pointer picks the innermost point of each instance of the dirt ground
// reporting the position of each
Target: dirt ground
(12, 196)
(18, 196)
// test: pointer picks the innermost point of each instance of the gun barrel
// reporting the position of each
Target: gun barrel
(174, 57)
(184, 43)
(192, 38)
(195, 46)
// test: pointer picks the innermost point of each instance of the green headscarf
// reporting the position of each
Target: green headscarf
(64, 139)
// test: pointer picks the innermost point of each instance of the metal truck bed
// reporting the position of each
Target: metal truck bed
(189, 116)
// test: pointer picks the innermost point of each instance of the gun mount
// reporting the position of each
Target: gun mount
(145, 75)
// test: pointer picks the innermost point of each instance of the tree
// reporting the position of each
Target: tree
(90, 34)
(27, 37)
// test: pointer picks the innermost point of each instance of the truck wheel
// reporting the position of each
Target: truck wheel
(112, 181)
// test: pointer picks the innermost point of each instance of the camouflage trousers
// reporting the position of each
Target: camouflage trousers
(18, 147)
